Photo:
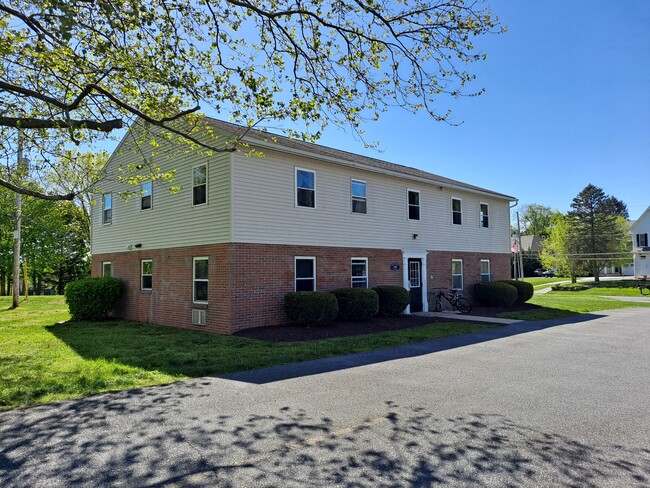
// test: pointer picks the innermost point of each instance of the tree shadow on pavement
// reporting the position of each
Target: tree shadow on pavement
(139, 438)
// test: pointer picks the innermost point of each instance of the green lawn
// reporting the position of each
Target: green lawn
(43, 358)
(559, 304)
(623, 288)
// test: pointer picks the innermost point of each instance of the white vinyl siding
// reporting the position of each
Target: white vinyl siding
(265, 212)
(457, 274)
(175, 222)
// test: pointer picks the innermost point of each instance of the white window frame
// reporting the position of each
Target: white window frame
(462, 281)
(295, 186)
(142, 274)
(364, 277)
(104, 209)
(452, 210)
(352, 197)
(110, 271)
(143, 196)
(639, 240)
(481, 216)
(408, 205)
(489, 271)
(295, 270)
(207, 179)
(195, 279)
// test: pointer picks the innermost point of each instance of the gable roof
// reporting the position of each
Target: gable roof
(337, 156)
(642, 218)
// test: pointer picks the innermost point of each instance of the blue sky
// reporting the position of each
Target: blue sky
(567, 104)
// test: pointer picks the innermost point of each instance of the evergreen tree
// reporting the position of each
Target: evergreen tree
(595, 230)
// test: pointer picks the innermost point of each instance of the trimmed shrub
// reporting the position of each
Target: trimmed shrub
(92, 298)
(496, 294)
(525, 290)
(392, 300)
(570, 287)
(357, 303)
(311, 307)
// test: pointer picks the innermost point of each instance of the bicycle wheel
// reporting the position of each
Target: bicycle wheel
(463, 305)
(438, 305)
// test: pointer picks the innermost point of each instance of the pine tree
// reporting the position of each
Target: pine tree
(595, 228)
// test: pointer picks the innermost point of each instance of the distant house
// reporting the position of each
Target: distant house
(641, 245)
(222, 253)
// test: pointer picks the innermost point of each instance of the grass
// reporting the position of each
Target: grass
(43, 358)
(621, 288)
(559, 304)
(538, 281)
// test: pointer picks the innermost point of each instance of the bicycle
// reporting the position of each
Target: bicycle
(455, 299)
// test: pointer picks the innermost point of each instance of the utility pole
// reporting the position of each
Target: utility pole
(519, 257)
(22, 167)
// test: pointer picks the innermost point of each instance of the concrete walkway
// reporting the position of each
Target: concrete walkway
(639, 299)
(471, 318)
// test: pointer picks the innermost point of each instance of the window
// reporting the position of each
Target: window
(200, 184)
(146, 267)
(642, 240)
(456, 211)
(107, 208)
(483, 217)
(146, 195)
(107, 269)
(457, 274)
(305, 274)
(485, 270)
(359, 200)
(414, 204)
(305, 188)
(415, 274)
(200, 280)
(359, 272)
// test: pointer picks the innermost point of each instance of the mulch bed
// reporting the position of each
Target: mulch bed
(290, 333)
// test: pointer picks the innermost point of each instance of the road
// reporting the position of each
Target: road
(523, 405)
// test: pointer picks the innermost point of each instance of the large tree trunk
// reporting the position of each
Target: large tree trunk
(596, 272)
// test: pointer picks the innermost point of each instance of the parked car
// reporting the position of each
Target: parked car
(549, 273)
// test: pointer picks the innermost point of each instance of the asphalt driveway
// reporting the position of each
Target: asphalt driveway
(562, 404)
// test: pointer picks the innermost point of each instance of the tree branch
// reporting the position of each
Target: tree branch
(36, 194)
(32, 123)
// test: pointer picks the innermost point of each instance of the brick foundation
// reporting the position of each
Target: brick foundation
(248, 282)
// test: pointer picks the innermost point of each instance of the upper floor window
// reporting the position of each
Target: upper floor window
(642, 240)
(200, 280)
(107, 269)
(305, 188)
(107, 208)
(146, 268)
(200, 184)
(305, 274)
(359, 200)
(457, 274)
(485, 270)
(483, 217)
(146, 190)
(414, 204)
(359, 272)
(456, 211)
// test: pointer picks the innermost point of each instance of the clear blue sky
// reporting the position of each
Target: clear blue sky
(567, 104)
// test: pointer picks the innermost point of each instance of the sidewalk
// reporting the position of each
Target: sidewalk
(471, 318)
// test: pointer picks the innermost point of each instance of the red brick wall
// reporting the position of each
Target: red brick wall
(248, 282)
(439, 269)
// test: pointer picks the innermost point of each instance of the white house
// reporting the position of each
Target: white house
(221, 253)
(640, 245)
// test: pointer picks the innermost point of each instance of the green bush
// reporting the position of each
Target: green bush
(356, 303)
(392, 300)
(525, 290)
(311, 307)
(570, 287)
(92, 298)
(496, 294)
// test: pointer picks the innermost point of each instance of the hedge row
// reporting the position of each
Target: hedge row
(503, 293)
(354, 304)
(92, 298)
